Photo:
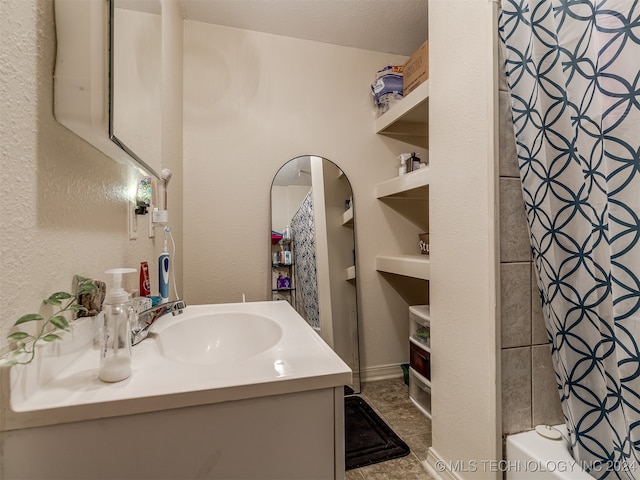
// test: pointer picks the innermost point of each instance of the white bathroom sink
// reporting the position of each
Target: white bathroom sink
(266, 349)
(217, 337)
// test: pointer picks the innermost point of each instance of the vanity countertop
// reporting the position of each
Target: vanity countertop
(300, 360)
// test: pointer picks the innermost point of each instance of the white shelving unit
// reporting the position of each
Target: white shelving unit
(408, 120)
(351, 273)
(415, 266)
(347, 217)
(409, 116)
(413, 185)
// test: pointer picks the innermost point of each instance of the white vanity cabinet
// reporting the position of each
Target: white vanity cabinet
(274, 411)
(289, 436)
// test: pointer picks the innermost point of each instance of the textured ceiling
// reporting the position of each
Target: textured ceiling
(390, 26)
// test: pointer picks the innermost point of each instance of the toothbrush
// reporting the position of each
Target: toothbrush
(163, 271)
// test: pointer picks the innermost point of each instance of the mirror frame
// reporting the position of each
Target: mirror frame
(81, 80)
(112, 136)
(354, 340)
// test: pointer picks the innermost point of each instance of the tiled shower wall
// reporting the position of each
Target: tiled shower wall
(529, 391)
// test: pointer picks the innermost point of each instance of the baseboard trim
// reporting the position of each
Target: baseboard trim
(381, 372)
(438, 468)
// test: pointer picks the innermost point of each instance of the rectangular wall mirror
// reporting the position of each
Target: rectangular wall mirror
(136, 73)
(108, 77)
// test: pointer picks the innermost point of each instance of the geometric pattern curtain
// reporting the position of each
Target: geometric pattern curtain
(304, 259)
(573, 70)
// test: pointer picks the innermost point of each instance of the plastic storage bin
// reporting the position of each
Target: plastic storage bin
(420, 324)
(420, 357)
(420, 360)
(420, 392)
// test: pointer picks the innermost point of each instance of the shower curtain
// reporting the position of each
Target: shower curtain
(304, 259)
(573, 70)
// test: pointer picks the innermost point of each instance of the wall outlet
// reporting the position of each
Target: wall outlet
(160, 216)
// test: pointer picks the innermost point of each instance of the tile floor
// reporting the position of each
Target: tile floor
(390, 400)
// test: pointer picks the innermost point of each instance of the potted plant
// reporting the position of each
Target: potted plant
(63, 302)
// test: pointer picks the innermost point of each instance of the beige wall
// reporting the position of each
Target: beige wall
(491, 364)
(63, 203)
(171, 151)
(253, 101)
(465, 371)
(285, 202)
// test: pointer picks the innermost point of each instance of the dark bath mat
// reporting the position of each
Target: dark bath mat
(348, 390)
(368, 439)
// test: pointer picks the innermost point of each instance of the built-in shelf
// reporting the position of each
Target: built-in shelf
(415, 266)
(408, 194)
(351, 273)
(409, 116)
(347, 217)
(413, 185)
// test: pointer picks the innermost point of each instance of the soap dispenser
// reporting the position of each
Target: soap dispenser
(115, 354)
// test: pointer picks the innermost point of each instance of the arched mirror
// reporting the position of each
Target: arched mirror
(313, 252)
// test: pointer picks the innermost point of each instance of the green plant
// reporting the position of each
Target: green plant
(66, 302)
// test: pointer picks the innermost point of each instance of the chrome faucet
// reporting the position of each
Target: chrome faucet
(145, 319)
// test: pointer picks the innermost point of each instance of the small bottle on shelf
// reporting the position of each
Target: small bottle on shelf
(403, 166)
(406, 165)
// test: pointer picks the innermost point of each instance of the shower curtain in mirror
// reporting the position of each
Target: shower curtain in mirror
(573, 70)
(304, 259)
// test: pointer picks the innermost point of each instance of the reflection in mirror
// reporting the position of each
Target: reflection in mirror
(313, 252)
(136, 60)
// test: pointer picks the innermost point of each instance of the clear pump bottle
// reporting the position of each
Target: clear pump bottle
(115, 354)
